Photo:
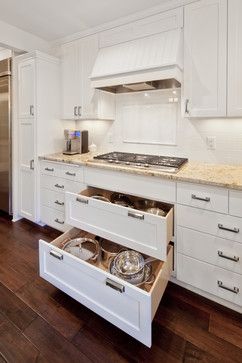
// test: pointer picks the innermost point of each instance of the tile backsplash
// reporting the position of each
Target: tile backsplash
(190, 137)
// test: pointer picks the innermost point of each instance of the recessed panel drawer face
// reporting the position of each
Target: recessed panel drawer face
(72, 172)
(215, 280)
(60, 184)
(203, 196)
(235, 203)
(143, 186)
(50, 168)
(214, 250)
(217, 224)
(53, 218)
(132, 228)
(52, 199)
(129, 307)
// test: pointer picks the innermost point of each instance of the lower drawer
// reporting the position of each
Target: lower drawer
(129, 307)
(53, 218)
(60, 184)
(212, 279)
(205, 247)
(52, 199)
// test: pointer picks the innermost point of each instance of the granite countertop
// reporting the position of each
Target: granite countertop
(228, 176)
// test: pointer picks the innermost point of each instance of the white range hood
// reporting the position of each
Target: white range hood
(153, 62)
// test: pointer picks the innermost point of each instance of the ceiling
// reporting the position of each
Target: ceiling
(53, 19)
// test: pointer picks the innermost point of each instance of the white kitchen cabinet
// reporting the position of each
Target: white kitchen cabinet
(205, 58)
(130, 308)
(79, 100)
(26, 88)
(234, 58)
(38, 126)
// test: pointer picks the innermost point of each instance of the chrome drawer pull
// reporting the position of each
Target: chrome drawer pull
(59, 186)
(59, 203)
(56, 254)
(206, 199)
(71, 174)
(49, 169)
(234, 230)
(60, 222)
(234, 258)
(234, 289)
(186, 106)
(115, 285)
(84, 201)
(136, 215)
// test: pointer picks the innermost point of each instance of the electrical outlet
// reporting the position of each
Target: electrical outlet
(211, 142)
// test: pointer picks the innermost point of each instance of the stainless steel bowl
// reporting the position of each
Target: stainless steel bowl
(122, 200)
(129, 262)
(108, 251)
(156, 211)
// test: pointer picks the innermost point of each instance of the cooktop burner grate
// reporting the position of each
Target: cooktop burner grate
(143, 160)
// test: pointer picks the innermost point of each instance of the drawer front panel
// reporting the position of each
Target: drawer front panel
(141, 231)
(53, 218)
(52, 199)
(143, 186)
(72, 172)
(235, 203)
(50, 168)
(217, 224)
(214, 250)
(202, 196)
(215, 280)
(130, 308)
(60, 184)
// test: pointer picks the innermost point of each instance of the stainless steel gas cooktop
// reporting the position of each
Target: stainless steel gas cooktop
(162, 163)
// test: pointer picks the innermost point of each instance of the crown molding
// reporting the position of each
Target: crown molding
(167, 5)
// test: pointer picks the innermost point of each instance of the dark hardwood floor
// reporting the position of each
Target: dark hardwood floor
(39, 323)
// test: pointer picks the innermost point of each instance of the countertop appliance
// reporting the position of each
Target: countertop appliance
(76, 142)
(5, 137)
(168, 164)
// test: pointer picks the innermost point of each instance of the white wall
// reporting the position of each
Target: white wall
(191, 138)
(15, 38)
(5, 53)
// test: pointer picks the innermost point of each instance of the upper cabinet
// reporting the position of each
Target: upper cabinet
(26, 91)
(234, 58)
(79, 100)
(205, 58)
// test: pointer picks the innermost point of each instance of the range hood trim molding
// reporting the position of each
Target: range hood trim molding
(144, 75)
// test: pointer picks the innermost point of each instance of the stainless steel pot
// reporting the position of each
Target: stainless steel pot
(84, 248)
(130, 262)
(108, 251)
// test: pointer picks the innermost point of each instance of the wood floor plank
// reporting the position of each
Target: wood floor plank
(52, 345)
(192, 354)
(14, 309)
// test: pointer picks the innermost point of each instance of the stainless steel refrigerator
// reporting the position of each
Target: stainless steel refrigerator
(5, 136)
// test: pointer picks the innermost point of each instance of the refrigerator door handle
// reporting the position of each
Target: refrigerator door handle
(31, 164)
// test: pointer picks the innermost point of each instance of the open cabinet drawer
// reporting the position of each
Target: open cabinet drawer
(132, 228)
(128, 307)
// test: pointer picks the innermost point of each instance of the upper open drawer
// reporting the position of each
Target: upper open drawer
(130, 227)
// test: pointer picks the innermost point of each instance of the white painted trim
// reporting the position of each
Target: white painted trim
(168, 5)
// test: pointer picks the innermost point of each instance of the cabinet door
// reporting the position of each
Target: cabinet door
(87, 50)
(27, 191)
(70, 81)
(26, 89)
(234, 58)
(205, 54)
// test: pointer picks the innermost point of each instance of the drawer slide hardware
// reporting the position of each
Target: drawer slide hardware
(136, 215)
(49, 169)
(80, 200)
(234, 230)
(59, 186)
(56, 254)
(205, 199)
(59, 203)
(231, 258)
(58, 221)
(71, 174)
(234, 289)
(115, 285)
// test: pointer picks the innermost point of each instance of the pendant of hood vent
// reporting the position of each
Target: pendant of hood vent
(142, 86)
